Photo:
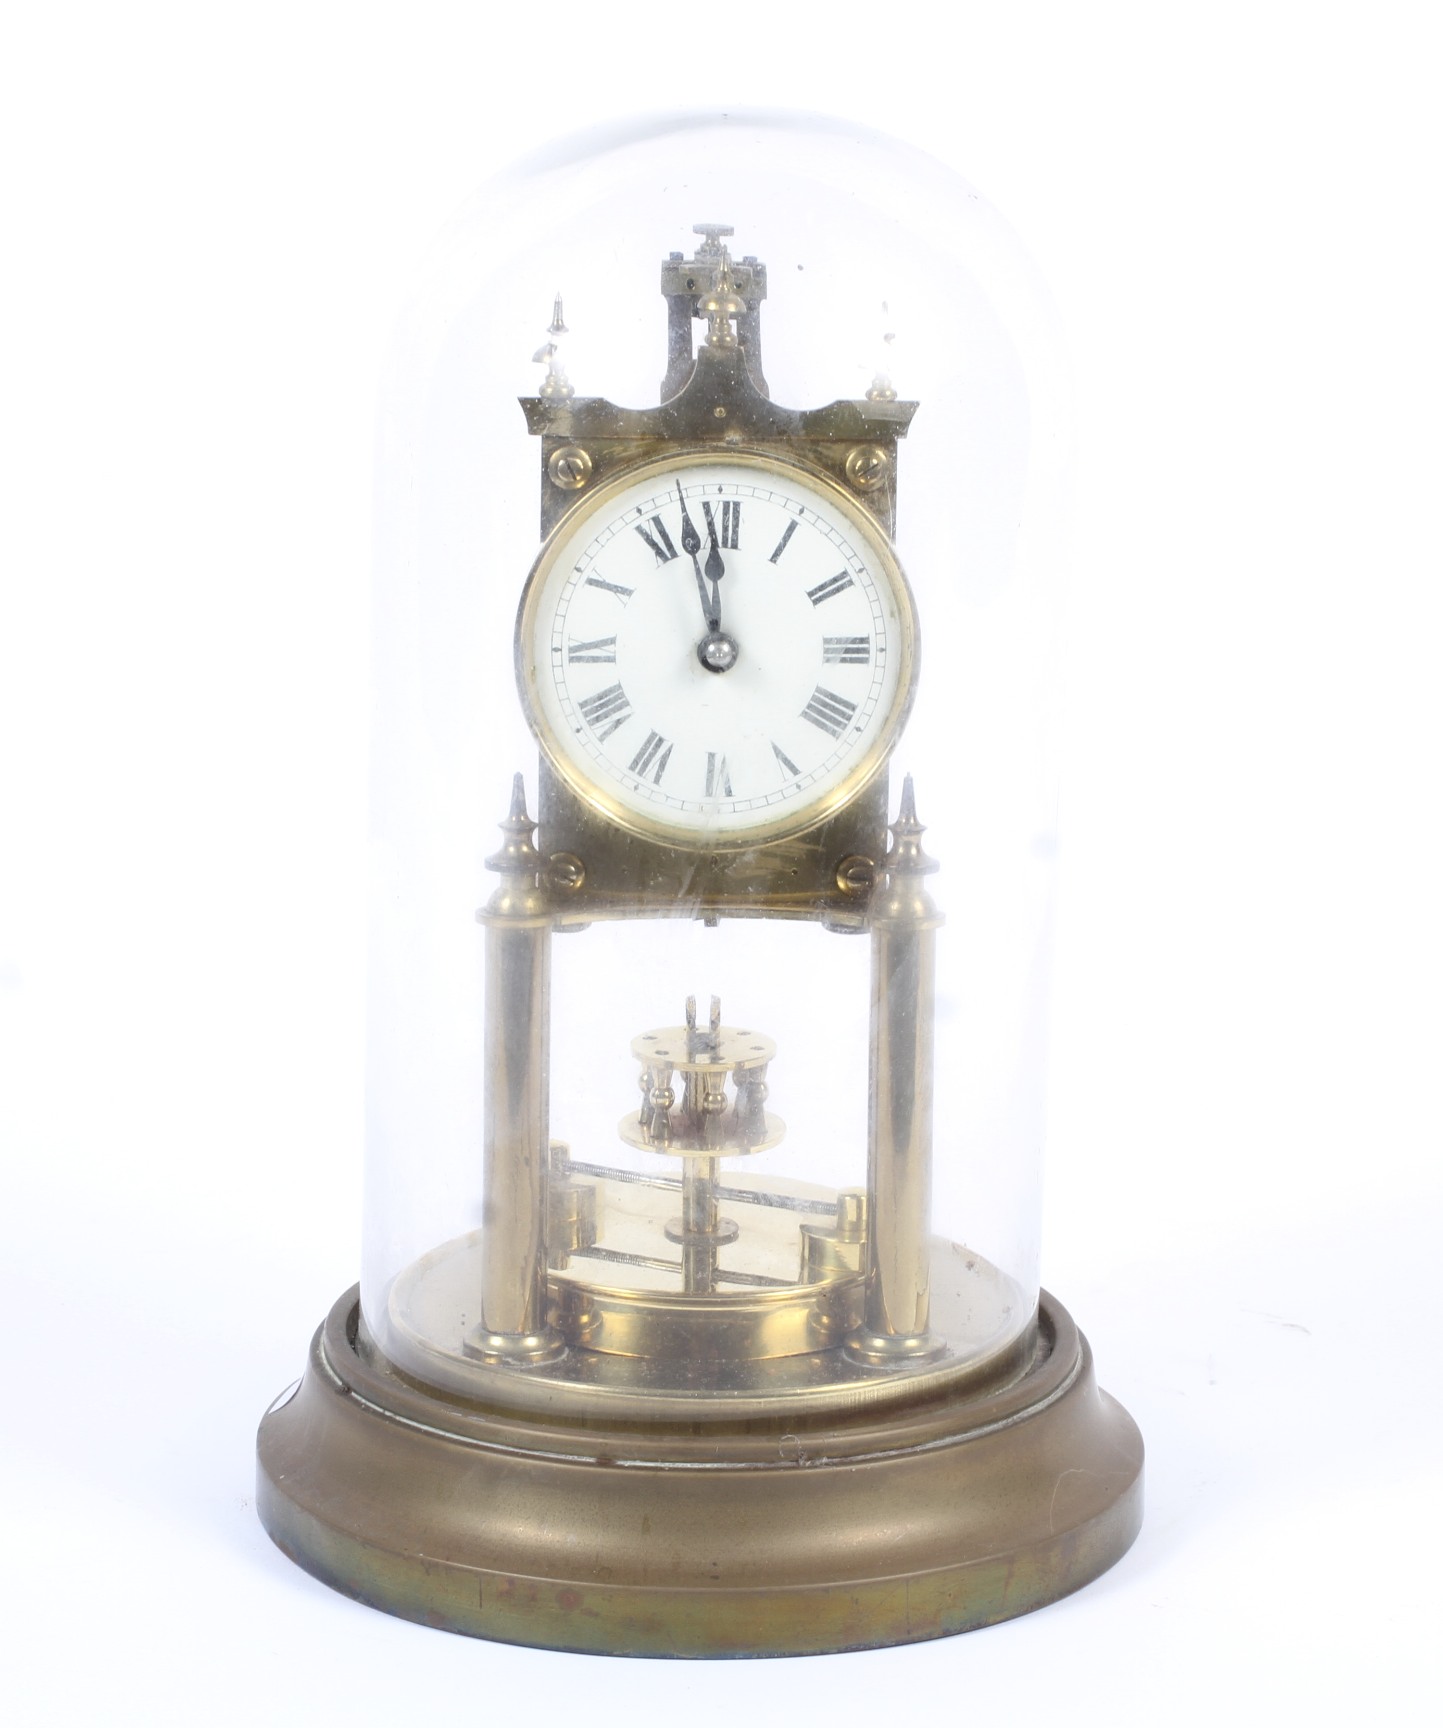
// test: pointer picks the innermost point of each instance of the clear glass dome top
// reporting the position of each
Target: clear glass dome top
(734, 1091)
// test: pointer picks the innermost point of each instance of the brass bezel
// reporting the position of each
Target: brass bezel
(889, 568)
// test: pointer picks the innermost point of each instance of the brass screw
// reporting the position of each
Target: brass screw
(570, 467)
(868, 466)
(565, 872)
(855, 874)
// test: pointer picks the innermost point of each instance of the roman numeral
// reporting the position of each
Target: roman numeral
(718, 777)
(659, 540)
(845, 650)
(785, 762)
(621, 593)
(782, 543)
(652, 758)
(831, 712)
(601, 652)
(832, 586)
(606, 710)
(731, 522)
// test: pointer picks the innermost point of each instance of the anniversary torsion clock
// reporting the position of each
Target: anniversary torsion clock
(663, 1396)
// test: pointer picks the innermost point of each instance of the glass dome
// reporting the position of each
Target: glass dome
(871, 278)
(721, 471)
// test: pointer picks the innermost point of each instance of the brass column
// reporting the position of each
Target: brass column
(904, 923)
(516, 1150)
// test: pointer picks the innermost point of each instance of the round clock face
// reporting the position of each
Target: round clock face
(717, 648)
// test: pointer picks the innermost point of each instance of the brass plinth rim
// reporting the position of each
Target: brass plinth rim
(797, 1549)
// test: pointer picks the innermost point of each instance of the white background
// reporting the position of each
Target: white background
(210, 218)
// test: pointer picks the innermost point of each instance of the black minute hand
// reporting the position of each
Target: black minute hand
(691, 545)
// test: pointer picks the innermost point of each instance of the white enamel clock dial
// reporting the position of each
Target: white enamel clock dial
(717, 648)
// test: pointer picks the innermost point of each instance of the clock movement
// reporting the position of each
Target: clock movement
(659, 1349)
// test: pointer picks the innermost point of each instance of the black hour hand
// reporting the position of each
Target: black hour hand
(715, 567)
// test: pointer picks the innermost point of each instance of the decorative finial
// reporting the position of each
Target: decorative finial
(721, 306)
(882, 388)
(901, 897)
(907, 857)
(555, 385)
(517, 855)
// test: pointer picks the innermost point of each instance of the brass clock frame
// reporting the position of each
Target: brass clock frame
(824, 866)
(723, 1464)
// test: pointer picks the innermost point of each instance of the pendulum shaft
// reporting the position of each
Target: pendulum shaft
(706, 1101)
(517, 1128)
(699, 1223)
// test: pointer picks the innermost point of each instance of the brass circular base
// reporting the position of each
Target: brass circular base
(775, 1340)
(930, 1518)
